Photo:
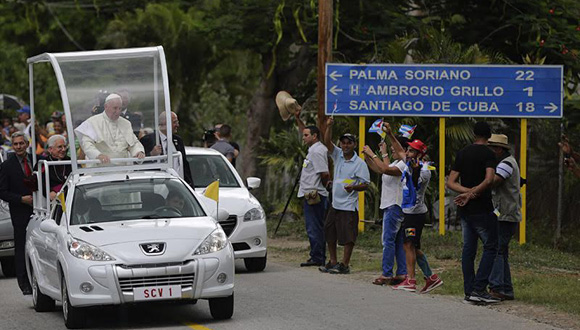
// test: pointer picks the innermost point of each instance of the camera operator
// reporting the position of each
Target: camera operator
(209, 138)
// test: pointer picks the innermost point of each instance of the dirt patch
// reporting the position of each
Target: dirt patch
(292, 252)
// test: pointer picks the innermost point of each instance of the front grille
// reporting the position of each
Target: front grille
(185, 280)
(165, 264)
(229, 224)
(240, 246)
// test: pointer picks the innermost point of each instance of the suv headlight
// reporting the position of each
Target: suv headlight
(254, 214)
(216, 241)
(86, 251)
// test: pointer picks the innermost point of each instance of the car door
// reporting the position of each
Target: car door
(52, 246)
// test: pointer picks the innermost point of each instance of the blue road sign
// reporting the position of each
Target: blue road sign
(531, 91)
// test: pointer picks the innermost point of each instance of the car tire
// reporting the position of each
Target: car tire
(8, 266)
(256, 264)
(74, 317)
(41, 302)
(222, 308)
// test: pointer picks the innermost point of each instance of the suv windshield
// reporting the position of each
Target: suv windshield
(205, 169)
(133, 199)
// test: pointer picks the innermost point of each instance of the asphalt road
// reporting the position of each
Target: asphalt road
(282, 297)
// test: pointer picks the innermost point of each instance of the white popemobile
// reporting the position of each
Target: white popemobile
(130, 232)
(246, 225)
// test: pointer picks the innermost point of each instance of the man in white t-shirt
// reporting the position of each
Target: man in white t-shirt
(312, 189)
(391, 202)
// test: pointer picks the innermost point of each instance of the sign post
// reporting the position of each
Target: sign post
(515, 91)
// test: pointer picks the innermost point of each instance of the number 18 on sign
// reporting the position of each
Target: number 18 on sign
(534, 91)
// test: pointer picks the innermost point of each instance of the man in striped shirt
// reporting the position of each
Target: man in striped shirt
(507, 202)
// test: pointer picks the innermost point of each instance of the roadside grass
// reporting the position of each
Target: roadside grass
(541, 275)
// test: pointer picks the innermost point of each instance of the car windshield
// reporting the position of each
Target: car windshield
(205, 169)
(133, 199)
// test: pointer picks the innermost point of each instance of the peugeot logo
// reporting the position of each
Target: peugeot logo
(153, 249)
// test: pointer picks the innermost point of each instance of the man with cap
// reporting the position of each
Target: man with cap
(23, 119)
(107, 135)
(508, 203)
(313, 180)
(472, 176)
(414, 210)
(351, 175)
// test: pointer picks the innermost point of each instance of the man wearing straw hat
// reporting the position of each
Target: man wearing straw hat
(107, 135)
(508, 203)
(313, 180)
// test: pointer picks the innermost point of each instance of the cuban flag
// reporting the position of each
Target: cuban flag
(407, 130)
(377, 127)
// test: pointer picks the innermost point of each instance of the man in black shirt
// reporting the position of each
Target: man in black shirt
(472, 177)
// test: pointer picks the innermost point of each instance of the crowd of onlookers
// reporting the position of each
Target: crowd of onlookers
(22, 123)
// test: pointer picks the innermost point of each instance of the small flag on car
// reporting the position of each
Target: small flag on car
(213, 190)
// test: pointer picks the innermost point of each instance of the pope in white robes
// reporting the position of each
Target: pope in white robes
(107, 135)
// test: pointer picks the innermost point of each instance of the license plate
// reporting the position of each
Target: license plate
(157, 292)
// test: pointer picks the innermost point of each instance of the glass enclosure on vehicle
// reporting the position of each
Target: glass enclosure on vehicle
(86, 79)
(133, 199)
(205, 169)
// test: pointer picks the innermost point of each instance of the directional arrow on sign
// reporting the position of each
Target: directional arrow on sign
(552, 107)
(334, 90)
(335, 75)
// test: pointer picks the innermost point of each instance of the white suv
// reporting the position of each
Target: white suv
(246, 225)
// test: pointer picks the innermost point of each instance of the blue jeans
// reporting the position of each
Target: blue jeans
(393, 241)
(314, 219)
(500, 279)
(484, 227)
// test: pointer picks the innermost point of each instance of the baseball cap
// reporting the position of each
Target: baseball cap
(57, 114)
(24, 109)
(418, 145)
(348, 136)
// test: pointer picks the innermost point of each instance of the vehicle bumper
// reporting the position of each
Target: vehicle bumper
(113, 284)
(6, 248)
(249, 239)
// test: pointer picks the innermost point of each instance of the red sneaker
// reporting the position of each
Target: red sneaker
(407, 285)
(431, 283)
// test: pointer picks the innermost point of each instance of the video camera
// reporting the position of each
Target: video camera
(100, 102)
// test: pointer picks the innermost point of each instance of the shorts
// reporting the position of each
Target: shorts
(413, 228)
(341, 226)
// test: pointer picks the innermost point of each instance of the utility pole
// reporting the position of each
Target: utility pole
(325, 17)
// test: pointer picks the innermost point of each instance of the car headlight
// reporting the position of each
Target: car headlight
(254, 214)
(86, 251)
(214, 242)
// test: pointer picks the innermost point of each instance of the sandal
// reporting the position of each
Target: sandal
(382, 280)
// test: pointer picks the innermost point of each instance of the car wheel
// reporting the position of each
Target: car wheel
(8, 267)
(255, 264)
(222, 308)
(41, 302)
(74, 317)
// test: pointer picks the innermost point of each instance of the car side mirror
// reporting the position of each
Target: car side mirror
(49, 226)
(222, 214)
(253, 182)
